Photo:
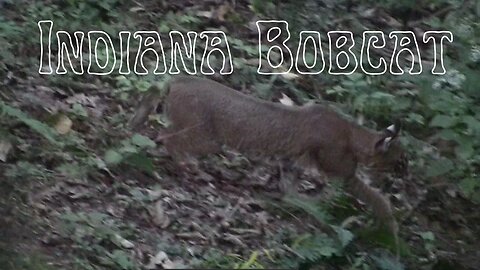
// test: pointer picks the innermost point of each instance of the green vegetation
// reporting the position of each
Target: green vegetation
(82, 192)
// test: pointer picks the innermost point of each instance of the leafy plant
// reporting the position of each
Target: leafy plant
(37, 126)
(387, 263)
(131, 153)
(319, 246)
(92, 232)
(251, 263)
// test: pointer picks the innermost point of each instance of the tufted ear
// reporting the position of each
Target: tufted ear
(393, 130)
(389, 135)
(286, 100)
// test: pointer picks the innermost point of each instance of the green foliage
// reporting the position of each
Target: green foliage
(443, 109)
(387, 263)
(262, 7)
(455, 120)
(471, 188)
(318, 247)
(429, 239)
(316, 210)
(214, 258)
(26, 170)
(384, 238)
(94, 234)
(405, 5)
(13, 261)
(81, 159)
(251, 263)
(37, 126)
(10, 33)
(75, 14)
(442, 122)
(131, 153)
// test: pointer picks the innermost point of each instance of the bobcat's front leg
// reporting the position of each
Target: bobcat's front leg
(379, 204)
(289, 177)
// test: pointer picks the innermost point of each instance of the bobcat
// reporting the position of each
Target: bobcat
(206, 115)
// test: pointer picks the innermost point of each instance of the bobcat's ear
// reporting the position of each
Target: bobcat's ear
(394, 130)
(389, 135)
(286, 100)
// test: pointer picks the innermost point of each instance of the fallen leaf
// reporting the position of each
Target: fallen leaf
(82, 99)
(160, 218)
(76, 193)
(5, 147)
(368, 13)
(122, 242)
(137, 9)
(206, 14)
(222, 11)
(142, 141)
(112, 157)
(289, 75)
(234, 239)
(156, 194)
(162, 260)
(63, 125)
(192, 236)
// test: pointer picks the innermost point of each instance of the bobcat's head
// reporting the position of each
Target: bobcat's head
(388, 154)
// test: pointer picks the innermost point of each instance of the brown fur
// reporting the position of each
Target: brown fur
(205, 115)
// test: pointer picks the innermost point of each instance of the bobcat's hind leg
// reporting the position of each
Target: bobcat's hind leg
(290, 181)
(186, 146)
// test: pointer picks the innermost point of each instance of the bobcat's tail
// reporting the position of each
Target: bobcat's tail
(154, 96)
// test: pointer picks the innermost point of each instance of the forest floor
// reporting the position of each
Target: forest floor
(81, 191)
